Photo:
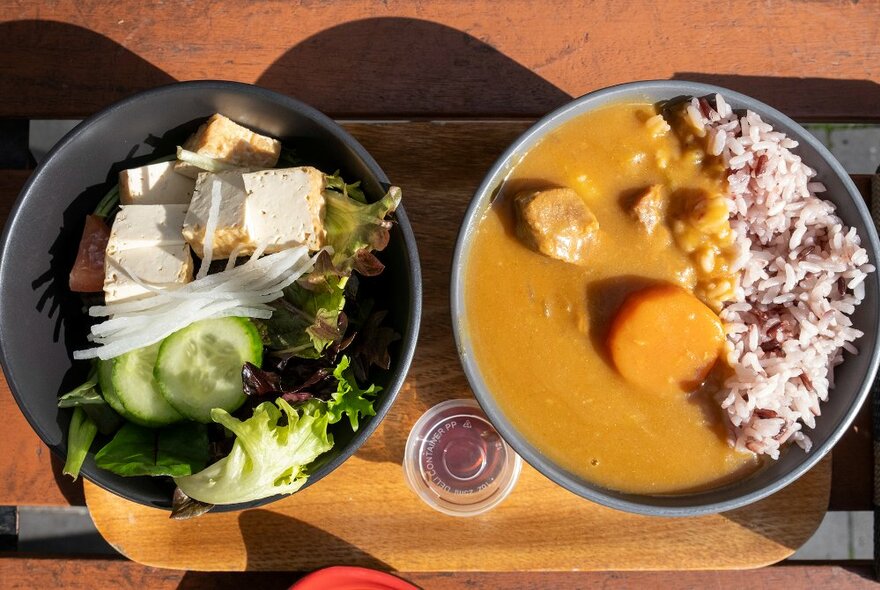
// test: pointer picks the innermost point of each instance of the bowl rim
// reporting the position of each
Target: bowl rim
(495, 177)
(407, 343)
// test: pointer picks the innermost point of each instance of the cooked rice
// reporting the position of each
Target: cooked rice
(802, 274)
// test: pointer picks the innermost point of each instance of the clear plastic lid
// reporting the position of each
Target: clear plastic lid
(456, 461)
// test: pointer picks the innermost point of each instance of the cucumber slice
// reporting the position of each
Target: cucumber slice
(137, 389)
(105, 374)
(199, 367)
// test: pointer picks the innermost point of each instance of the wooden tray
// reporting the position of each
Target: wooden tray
(364, 513)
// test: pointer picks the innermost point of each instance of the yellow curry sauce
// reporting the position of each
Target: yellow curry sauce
(538, 326)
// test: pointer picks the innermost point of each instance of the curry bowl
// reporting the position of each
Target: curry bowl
(42, 321)
(774, 461)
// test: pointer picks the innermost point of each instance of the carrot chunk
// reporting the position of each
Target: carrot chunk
(665, 339)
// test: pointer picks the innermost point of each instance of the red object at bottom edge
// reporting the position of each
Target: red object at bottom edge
(351, 578)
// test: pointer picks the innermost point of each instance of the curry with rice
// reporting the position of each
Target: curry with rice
(592, 287)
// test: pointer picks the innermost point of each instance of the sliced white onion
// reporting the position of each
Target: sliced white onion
(252, 275)
(210, 229)
(243, 291)
(203, 162)
(233, 256)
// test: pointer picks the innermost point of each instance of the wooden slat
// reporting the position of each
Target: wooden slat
(35, 481)
(31, 474)
(815, 60)
(76, 574)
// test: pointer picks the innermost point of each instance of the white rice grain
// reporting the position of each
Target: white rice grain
(802, 273)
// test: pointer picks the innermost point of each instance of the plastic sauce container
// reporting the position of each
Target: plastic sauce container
(457, 462)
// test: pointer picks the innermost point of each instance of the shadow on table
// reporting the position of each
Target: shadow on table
(237, 580)
(815, 99)
(806, 502)
(37, 56)
(272, 540)
(36, 70)
(71, 490)
(411, 68)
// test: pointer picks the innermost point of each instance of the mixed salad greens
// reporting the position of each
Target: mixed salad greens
(228, 382)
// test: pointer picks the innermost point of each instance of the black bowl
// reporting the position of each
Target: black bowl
(42, 322)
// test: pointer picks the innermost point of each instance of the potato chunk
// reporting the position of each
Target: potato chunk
(648, 207)
(557, 223)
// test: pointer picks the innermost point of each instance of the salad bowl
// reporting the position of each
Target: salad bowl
(42, 322)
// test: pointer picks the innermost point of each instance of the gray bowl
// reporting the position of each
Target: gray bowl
(853, 378)
(41, 321)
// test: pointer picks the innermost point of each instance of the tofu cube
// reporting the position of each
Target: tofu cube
(156, 184)
(231, 231)
(146, 240)
(140, 226)
(225, 140)
(159, 266)
(285, 208)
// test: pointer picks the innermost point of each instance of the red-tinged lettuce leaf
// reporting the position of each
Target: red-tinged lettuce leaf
(183, 507)
(370, 337)
(262, 383)
(366, 263)
(306, 322)
(333, 390)
(256, 382)
(371, 347)
(323, 269)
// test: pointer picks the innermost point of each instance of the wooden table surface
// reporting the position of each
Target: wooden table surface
(469, 61)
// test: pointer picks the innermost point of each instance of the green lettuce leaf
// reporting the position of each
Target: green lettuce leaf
(80, 434)
(176, 450)
(87, 397)
(354, 229)
(349, 399)
(334, 181)
(269, 456)
(305, 322)
(85, 394)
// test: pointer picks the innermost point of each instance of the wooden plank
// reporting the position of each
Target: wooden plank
(815, 60)
(80, 574)
(31, 473)
(365, 514)
(36, 481)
